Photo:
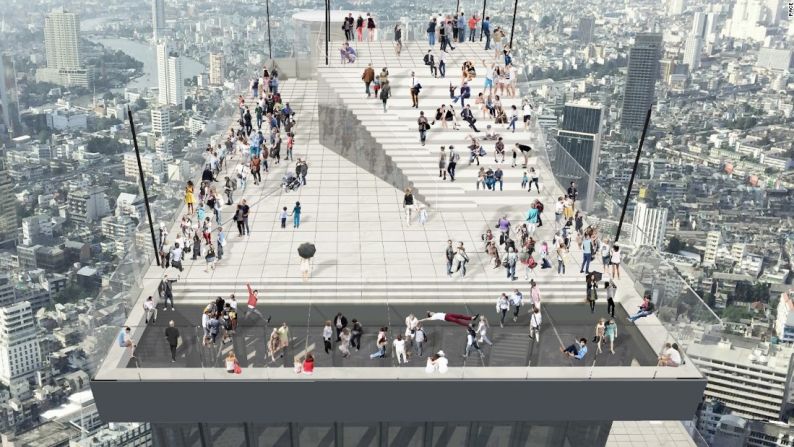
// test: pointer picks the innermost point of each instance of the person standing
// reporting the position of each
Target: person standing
(442, 64)
(385, 94)
(221, 243)
(502, 306)
(482, 331)
(368, 77)
(245, 210)
(461, 25)
(283, 337)
(592, 292)
(296, 215)
(360, 28)
(471, 342)
(473, 21)
(511, 260)
(572, 193)
(408, 205)
(172, 335)
(348, 27)
(420, 337)
(410, 327)
(327, 334)
(344, 345)
(166, 292)
(611, 289)
(535, 320)
(424, 126)
(462, 259)
(611, 332)
(486, 31)
(587, 254)
(415, 88)
(431, 32)
(615, 261)
(355, 334)
(453, 163)
(599, 334)
(604, 249)
(516, 300)
(534, 294)
(370, 28)
(399, 349)
(340, 324)
(442, 164)
(450, 255)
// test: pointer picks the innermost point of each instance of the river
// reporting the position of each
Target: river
(146, 54)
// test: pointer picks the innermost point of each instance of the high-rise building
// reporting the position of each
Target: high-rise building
(699, 25)
(640, 90)
(217, 68)
(585, 30)
(751, 381)
(775, 59)
(87, 206)
(62, 46)
(169, 76)
(161, 121)
(20, 355)
(649, 225)
(692, 52)
(746, 20)
(713, 240)
(784, 324)
(9, 97)
(676, 7)
(8, 216)
(158, 19)
(580, 136)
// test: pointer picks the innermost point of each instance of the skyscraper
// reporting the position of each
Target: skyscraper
(745, 20)
(8, 207)
(217, 68)
(585, 30)
(649, 225)
(20, 355)
(676, 7)
(169, 76)
(161, 121)
(580, 136)
(692, 50)
(9, 98)
(640, 90)
(62, 46)
(158, 18)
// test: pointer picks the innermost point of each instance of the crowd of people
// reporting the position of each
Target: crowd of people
(266, 122)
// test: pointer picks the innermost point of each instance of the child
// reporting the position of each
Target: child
(422, 215)
(525, 178)
(283, 216)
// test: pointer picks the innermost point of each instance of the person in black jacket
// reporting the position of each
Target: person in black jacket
(355, 334)
(408, 204)
(172, 335)
(340, 323)
(469, 117)
(166, 291)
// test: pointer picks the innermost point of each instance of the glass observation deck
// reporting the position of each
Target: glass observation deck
(373, 266)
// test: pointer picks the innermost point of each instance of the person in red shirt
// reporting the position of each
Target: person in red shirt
(253, 297)
(473, 21)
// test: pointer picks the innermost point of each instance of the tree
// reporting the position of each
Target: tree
(736, 313)
(140, 104)
(676, 245)
(105, 146)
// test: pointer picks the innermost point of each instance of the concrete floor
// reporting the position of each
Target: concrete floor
(562, 323)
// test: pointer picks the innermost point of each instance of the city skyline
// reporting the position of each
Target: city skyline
(705, 228)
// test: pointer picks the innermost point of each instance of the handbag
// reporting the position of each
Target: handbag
(237, 369)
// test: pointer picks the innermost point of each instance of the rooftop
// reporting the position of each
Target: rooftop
(374, 266)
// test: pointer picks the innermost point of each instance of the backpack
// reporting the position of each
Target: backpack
(227, 322)
(455, 157)
(539, 207)
(532, 264)
(427, 59)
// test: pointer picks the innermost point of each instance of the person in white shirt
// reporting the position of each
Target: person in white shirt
(516, 299)
(482, 331)
(670, 355)
(535, 320)
(399, 349)
(526, 109)
(328, 332)
(438, 362)
(151, 310)
(410, 327)
(502, 306)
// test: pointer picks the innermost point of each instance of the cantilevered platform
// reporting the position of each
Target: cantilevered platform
(372, 265)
